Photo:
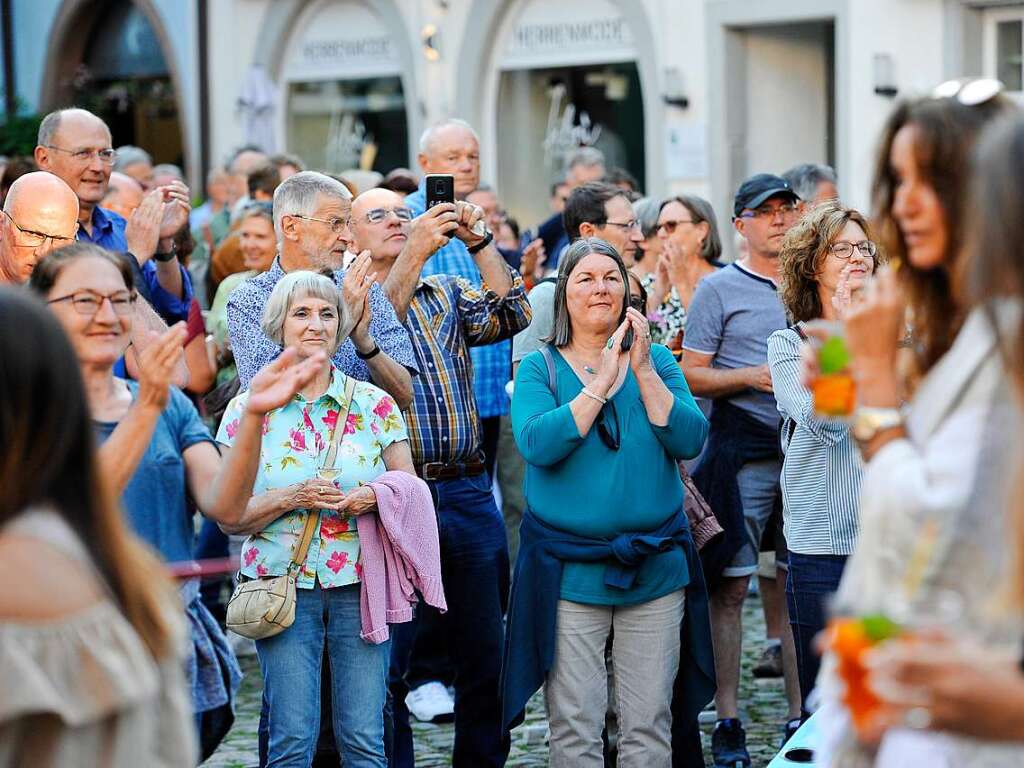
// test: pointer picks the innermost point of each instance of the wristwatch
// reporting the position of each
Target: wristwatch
(868, 422)
(369, 355)
(488, 237)
(165, 257)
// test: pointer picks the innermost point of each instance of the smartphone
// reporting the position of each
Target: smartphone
(627, 339)
(440, 189)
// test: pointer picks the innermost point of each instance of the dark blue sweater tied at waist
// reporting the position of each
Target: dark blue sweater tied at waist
(530, 633)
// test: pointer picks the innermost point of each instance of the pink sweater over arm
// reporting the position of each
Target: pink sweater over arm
(399, 554)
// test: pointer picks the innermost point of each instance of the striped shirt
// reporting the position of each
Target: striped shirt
(822, 469)
(492, 363)
(447, 316)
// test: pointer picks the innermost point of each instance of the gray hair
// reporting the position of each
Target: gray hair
(701, 210)
(131, 155)
(646, 210)
(561, 328)
(168, 169)
(805, 178)
(297, 195)
(588, 157)
(427, 137)
(302, 284)
(51, 124)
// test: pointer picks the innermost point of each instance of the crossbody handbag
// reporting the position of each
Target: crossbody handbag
(264, 607)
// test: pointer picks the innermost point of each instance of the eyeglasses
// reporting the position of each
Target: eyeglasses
(670, 226)
(845, 250)
(632, 224)
(106, 156)
(608, 426)
(35, 239)
(969, 91)
(377, 215)
(88, 303)
(769, 212)
(337, 225)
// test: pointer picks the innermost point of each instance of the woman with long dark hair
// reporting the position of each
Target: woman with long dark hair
(75, 600)
(930, 544)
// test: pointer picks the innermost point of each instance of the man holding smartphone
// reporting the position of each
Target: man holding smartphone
(447, 316)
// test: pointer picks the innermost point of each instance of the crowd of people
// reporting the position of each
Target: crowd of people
(451, 464)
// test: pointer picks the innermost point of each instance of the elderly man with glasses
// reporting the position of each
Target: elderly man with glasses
(39, 215)
(725, 358)
(75, 145)
(446, 316)
(311, 221)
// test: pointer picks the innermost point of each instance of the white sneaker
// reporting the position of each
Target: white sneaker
(431, 703)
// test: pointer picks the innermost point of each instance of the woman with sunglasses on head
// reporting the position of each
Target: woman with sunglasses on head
(91, 292)
(601, 417)
(932, 537)
(826, 259)
(950, 681)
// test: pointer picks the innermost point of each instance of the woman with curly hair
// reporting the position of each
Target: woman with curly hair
(825, 260)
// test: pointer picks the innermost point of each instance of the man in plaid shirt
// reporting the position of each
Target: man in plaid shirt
(446, 316)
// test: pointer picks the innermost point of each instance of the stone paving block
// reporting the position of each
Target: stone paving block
(762, 703)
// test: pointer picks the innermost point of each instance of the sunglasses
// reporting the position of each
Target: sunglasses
(608, 426)
(969, 91)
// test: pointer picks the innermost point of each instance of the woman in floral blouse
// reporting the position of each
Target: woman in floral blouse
(305, 313)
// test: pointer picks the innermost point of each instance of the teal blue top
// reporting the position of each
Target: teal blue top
(580, 485)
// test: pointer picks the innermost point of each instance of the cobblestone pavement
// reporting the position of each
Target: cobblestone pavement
(762, 702)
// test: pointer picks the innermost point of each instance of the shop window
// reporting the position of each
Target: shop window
(1004, 47)
(337, 125)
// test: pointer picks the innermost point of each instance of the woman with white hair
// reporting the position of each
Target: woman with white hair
(304, 472)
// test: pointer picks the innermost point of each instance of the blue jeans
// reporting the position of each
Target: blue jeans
(811, 580)
(475, 570)
(291, 663)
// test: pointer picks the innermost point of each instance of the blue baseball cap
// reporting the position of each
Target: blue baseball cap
(759, 188)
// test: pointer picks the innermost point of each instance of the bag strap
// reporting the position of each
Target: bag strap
(337, 435)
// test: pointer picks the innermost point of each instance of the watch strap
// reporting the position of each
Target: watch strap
(488, 239)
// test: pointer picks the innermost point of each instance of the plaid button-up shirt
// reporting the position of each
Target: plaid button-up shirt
(492, 362)
(448, 316)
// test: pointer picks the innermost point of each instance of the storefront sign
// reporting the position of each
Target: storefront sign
(338, 39)
(573, 32)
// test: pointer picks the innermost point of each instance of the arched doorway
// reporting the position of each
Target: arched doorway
(344, 101)
(108, 57)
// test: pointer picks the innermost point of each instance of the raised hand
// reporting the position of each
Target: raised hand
(432, 230)
(468, 215)
(533, 258)
(143, 228)
(640, 352)
(361, 330)
(842, 299)
(278, 382)
(176, 208)
(612, 360)
(157, 362)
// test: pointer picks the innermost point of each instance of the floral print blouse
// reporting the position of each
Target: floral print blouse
(296, 438)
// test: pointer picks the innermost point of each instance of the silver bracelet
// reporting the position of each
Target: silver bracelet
(590, 394)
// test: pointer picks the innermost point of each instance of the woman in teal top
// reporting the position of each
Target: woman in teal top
(601, 453)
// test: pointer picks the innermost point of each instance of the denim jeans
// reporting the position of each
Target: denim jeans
(475, 570)
(291, 663)
(810, 582)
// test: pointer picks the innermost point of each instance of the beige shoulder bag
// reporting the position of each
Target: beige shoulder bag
(261, 608)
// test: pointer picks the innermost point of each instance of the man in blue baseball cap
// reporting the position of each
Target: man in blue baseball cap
(725, 358)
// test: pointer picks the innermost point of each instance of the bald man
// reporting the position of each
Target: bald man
(75, 145)
(40, 214)
(447, 315)
(124, 195)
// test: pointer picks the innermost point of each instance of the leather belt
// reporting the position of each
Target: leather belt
(439, 470)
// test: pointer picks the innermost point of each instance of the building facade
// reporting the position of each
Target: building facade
(687, 95)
